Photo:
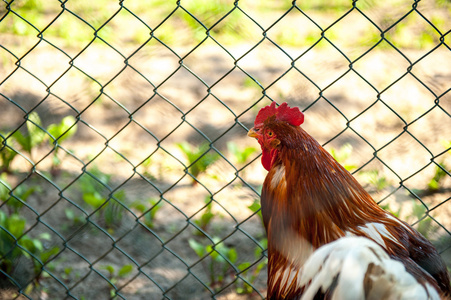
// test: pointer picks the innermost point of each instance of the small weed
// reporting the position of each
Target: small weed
(15, 244)
(70, 215)
(146, 165)
(148, 212)
(107, 209)
(441, 171)
(35, 136)
(218, 265)
(242, 287)
(435, 183)
(66, 273)
(372, 177)
(199, 158)
(341, 156)
(256, 208)
(15, 199)
(60, 132)
(388, 208)
(241, 155)
(206, 217)
(7, 153)
(426, 227)
(12, 143)
(114, 276)
(112, 212)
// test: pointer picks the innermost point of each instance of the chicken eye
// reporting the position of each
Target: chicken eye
(270, 133)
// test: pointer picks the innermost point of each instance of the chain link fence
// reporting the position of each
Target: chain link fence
(125, 167)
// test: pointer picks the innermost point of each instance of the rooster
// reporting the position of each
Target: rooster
(309, 200)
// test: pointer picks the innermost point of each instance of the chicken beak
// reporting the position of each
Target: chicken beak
(252, 133)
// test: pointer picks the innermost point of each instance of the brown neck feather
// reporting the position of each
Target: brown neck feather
(318, 192)
(314, 204)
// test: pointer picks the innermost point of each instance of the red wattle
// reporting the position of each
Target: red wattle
(268, 158)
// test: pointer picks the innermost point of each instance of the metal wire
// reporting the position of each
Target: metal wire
(78, 221)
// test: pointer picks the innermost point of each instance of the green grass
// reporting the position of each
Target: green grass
(183, 26)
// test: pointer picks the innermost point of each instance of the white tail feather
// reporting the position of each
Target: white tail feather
(358, 268)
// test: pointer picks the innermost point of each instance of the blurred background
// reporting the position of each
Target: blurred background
(126, 172)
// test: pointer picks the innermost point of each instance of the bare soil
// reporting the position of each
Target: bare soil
(396, 121)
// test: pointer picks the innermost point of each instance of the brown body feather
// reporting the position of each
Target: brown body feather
(309, 199)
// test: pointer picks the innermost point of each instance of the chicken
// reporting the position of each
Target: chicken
(309, 200)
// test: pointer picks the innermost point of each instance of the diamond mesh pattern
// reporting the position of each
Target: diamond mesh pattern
(126, 171)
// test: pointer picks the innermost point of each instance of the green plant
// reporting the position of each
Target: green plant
(228, 29)
(374, 178)
(341, 155)
(60, 132)
(440, 174)
(207, 215)
(29, 10)
(112, 212)
(70, 215)
(390, 210)
(66, 273)
(146, 166)
(148, 214)
(218, 265)
(107, 209)
(114, 276)
(256, 208)
(36, 134)
(15, 244)
(241, 155)
(15, 199)
(91, 195)
(435, 183)
(5, 188)
(447, 145)
(204, 220)
(425, 226)
(242, 287)
(6, 153)
(199, 158)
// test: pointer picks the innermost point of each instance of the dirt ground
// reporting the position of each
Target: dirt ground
(396, 122)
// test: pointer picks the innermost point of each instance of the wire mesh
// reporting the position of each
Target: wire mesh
(126, 171)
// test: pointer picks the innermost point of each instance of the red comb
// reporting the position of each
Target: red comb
(284, 113)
